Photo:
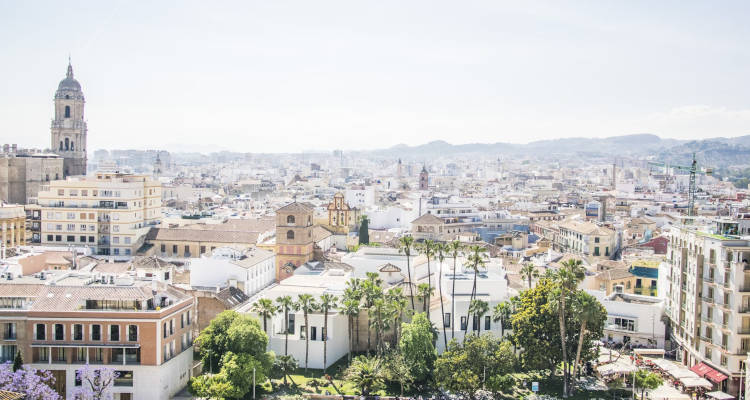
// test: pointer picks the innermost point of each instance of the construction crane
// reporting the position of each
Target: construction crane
(692, 169)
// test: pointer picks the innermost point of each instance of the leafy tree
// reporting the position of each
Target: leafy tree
(265, 309)
(366, 374)
(285, 366)
(405, 246)
(307, 304)
(615, 384)
(17, 361)
(535, 327)
(286, 304)
(428, 250)
(453, 248)
(501, 313)
(364, 230)
(399, 370)
(231, 344)
(417, 345)
(35, 384)
(96, 383)
(591, 315)
(423, 293)
(481, 360)
(327, 302)
(529, 271)
(645, 379)
(478, 308)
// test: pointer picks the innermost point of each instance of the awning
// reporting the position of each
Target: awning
(705, 371)
(720, 396)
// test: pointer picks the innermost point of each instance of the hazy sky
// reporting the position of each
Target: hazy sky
(292, 76)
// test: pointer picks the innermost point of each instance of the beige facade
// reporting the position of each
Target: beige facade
(109, 212)
(22, 175)
(12, 226)
(587, 240)
(341, 217)
(68, 131)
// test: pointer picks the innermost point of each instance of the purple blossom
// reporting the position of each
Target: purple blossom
(35, 384)
(96, 384)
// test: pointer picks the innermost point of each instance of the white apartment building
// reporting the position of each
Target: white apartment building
(109, 212)
(360, 197)
(250, 270)
(709, 298)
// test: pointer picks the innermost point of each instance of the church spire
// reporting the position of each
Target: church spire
(70, 68)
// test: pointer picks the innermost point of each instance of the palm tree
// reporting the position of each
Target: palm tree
(398, 305)
(306, 303)
(353, 291)
(567, 278)
(265, 309)
(501, 313)
(454, 248)
(440, 249)
(428, 249)
(530, 272)
(423, 293)
(365, 373)
(478, 308)
(475, 261)
(327, 302)
(286, 304)
(351, 310)
(371, 291)
(588, 309)
(380, 320)
(405, 245)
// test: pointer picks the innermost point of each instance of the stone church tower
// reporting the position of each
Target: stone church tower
(294, 239)
(68, 132)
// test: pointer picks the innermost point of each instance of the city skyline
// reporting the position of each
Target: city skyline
(353, 76)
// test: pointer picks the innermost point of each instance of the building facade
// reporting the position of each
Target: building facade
(69, 130)
(109, 212)
(341, 217)
(12, 227)
(708, 299)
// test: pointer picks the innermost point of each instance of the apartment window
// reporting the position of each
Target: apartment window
(77, 332)
(82, 239)
(82, 227)
(188, 318)
(463, 323)
(475, 322)
(84, 192)
(290, 324)
(302, 331)
(187, 249)
(9, 333)
(723, 360)
(50, 238)
(596, 240)
(171, 327)
(70, 238)
(80, 353)
(166, 332)
(487, 323)
(447, 320)
(174, 249)
(127, 240)
(61, 192)
(132, 333)
(203, 249)
(96, 332)
(60, 354)
(98, 354)
(59, 332)
(91, 239)
(41, 332)
(708, 353)
(163, 248)
(114, 333)
(182, 321)
(43, 353)
(313, 333)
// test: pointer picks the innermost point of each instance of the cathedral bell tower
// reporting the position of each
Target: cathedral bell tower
(68, 131)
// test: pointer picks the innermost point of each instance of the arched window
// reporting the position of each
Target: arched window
(290, 219)
(67, 96)
(290, 235)
(67, 144)
(67, 111)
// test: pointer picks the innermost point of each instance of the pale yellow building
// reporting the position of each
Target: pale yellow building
(110, 212)
(586, 240)
(12, 225)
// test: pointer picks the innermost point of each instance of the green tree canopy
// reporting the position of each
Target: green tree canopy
(647, 380)
(417, 344)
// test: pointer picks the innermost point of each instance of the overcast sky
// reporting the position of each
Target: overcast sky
(272, 76)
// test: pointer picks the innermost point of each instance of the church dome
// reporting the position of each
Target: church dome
(69, 83)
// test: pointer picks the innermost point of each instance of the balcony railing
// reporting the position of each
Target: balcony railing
(707, 299)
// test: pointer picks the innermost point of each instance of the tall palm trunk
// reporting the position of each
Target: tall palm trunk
(356, 325)
(307, 341)
(350, 327)
(411, 284)
(286, 331)
(429, 286)
(561, 320)
(369, 325)
(265, 324)
(453, 302)
(442, 310)
(325, 340)
(580, 346)
(471, 298)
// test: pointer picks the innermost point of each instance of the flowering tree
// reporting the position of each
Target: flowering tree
(35, 384)
(96, 384)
